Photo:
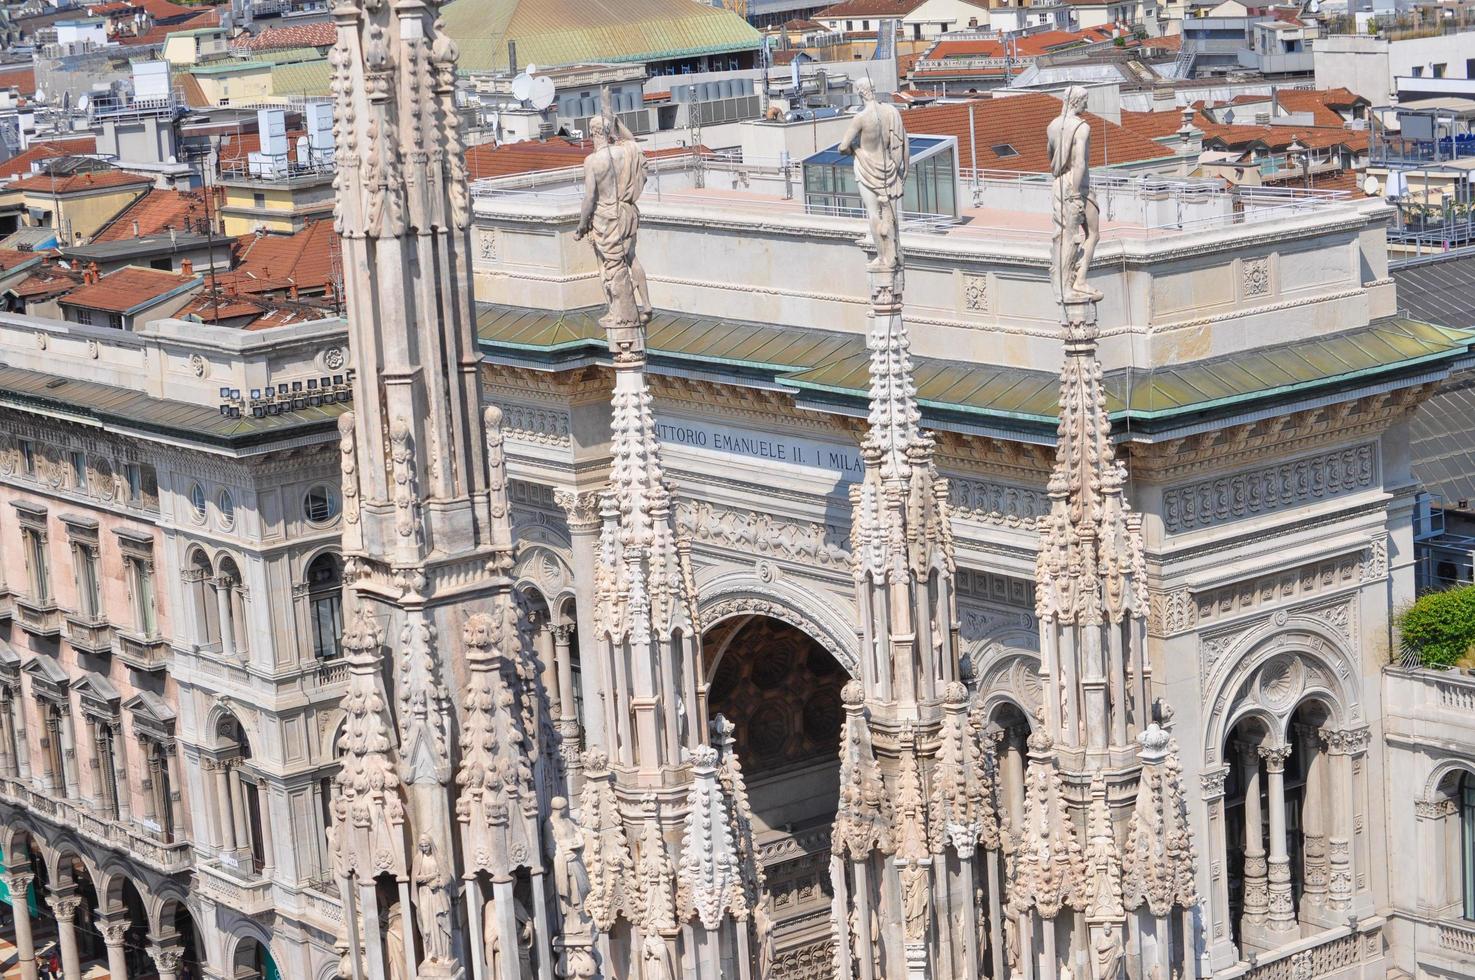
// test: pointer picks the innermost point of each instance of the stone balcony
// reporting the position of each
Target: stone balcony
(43, 619)
(1351, 952)
(89, 634)
(7, 604)
(247, 894)
(164, 857)
(146, 653)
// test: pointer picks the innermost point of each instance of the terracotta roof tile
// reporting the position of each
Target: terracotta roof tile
(1320, 103)
(309, 258)
(23, 80)
(45, 283)
(319, 35)
(529, 156)
(1152, 125)
(1019, 121)
(121, 291)
(10, 258)
(154, 212)
(20, 165)
(868, 8)
(91, 180)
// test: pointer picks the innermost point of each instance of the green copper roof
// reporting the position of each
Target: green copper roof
(304, 78)
(834, 367)
(124, 408)
(550, 33)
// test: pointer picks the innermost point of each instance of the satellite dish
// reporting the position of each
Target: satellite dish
(1370, 186)
(543, 92)
(82, 101)
(531, 70)
(522, 87)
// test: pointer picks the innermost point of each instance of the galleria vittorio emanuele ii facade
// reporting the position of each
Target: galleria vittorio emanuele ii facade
(668, 573)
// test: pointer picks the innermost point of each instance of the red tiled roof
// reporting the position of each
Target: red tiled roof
(308, 258)
(490, 160)
(157, 33)
(1237, 137)
(46, 282)
(1020, 122)
(121, 291)
(154, 212)
(1029, 46)
(194, 95)
(851, 9)
(319, 35)
(236, 148)
(20, 164)
(10, 258)
(1320, 103)
(164, 9)
(93, 180)
(23, 80)
(1152, 125)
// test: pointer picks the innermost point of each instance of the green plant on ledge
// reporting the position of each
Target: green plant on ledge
(1440, 627)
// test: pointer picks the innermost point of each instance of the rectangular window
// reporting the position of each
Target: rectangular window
(1467, 840)
(327, 625)
(134, 475)
(78, 460)
(37, 570)
(84, 316)
(1440, 68)
(28, 456)
(115, 320)
(141, 583)
(1470, 67)
(89, 594)
(258, 201)
(1418, 71)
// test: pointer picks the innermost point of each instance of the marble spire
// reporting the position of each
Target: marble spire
(683, 887)
(428, 545)
(913, 789)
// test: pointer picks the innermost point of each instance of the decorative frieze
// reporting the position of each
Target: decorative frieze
(995, 588)
(1183, 610)
(996, 503)
(1267, 490)
(751, 533)
(530, 423)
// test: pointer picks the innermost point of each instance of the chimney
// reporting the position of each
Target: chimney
(187, 267)
(135, 229)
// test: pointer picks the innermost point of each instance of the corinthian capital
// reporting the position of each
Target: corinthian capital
(582, 508)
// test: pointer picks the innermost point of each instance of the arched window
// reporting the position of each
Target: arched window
(325, 605)
(231, 597)
(240, 832)
(207, 611)
(1465, 801)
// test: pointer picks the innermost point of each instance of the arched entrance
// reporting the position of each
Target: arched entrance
(253, 961)
(780, 689)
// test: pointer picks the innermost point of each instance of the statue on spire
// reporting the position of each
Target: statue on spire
(878, 142)
(614, 176)
(1077, 217)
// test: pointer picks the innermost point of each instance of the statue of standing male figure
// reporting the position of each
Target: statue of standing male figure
(878, 142)
(614, 176)
(1077, 218)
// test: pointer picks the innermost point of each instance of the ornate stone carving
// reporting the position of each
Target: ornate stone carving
(529, 423)
(975, 293)
(614, 176)
(996, 503)
(1256, 276)
(348, 465)
(198, 365)
(486, 245)
(749, 533)
(1325, 476)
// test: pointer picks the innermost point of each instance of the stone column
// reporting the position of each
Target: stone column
(150, 783)
(223, 807)
(22, 747)
(19, 884)
(68, 754)
(1314, 812)
(168, 959)
(1256, 888)
(172, 795)
(120, 773)
(65, 908)
(582, 510)
(568, 717)
(222, 608)
(1281, 920)
(7, 734)
(113, 931)
(1216, 909)
(240, 822)
(268, 844)
(1339, 843)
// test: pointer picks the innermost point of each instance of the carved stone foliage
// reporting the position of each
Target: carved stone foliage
(975, 293)
(531, 423)
(750, 533)
(1183, 610)
(780, 688)
(1238, 496)
(996, 503)
(107, 468)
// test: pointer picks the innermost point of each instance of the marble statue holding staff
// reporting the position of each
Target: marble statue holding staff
(877, 140)
(614, 176)
(1077, 218)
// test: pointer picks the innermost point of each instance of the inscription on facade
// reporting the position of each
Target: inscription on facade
(1269, 489)
(769, 447)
